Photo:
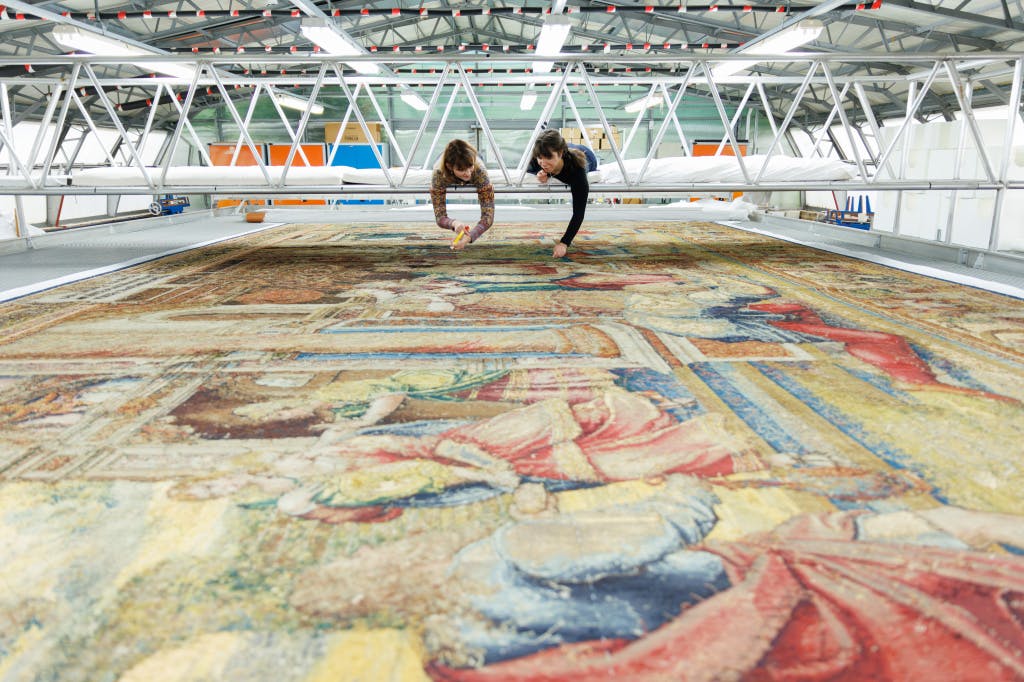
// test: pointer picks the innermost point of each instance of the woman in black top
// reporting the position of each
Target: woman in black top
(569, 163)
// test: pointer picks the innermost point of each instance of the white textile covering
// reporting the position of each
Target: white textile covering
(422, 177)
(220, 176)
(417, 177)
(668, 171)
(712, 209)
(717, 169)
(18, 180)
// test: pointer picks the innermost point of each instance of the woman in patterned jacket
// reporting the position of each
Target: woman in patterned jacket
(460, 166)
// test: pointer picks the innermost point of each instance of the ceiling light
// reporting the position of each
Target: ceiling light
(651, 100)
(414, 100)
(796, 35)
(549, 43)
(528, 100)
(297, 103)
(333, 42)
(76, 39)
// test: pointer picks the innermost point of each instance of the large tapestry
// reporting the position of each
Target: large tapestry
(347, 452)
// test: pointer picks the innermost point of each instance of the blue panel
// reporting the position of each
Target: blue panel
(357, 156)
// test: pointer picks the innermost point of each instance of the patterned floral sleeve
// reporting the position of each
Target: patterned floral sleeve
(485, 193)
(438, 196)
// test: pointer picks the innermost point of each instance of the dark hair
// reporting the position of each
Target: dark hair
(457, 155)
(551, 143)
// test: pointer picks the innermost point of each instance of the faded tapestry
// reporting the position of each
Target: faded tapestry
(345, 452)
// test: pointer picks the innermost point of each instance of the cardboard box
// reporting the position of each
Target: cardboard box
(572, 135)
(353, 133)
(605, 143)
(599, 139)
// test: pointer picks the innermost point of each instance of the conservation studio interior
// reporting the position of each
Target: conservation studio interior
(527, 341)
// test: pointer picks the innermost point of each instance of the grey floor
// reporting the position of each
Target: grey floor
(39, 263)
(1002, 273)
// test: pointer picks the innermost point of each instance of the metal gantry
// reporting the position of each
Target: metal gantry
(844, 110)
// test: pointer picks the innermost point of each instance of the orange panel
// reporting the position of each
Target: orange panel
(300, 202)
(709, 149)
(278, 154)
(221, 153)
(223, 203)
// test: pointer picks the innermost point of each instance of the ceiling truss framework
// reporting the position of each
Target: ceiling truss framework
(883, 29)
(848, 103)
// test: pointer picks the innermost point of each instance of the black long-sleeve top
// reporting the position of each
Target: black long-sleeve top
(575, 176)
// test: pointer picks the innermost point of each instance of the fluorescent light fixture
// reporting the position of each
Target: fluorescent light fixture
(76, 39)
(297, 103)
(529, 99)
(549, 43)
(333, 42)
(651, 100)
(793, 37)
(414, 100)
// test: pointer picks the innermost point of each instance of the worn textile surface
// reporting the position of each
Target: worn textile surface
(346, 452)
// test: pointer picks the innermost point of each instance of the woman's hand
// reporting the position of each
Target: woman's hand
(560, 250)
(461, 239)
(542, 177)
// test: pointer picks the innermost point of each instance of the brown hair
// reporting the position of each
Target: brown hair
(457, 155)
(551, 143)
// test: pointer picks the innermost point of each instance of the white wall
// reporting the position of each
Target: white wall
(92, 153)
(75, 207)
(931, 154)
